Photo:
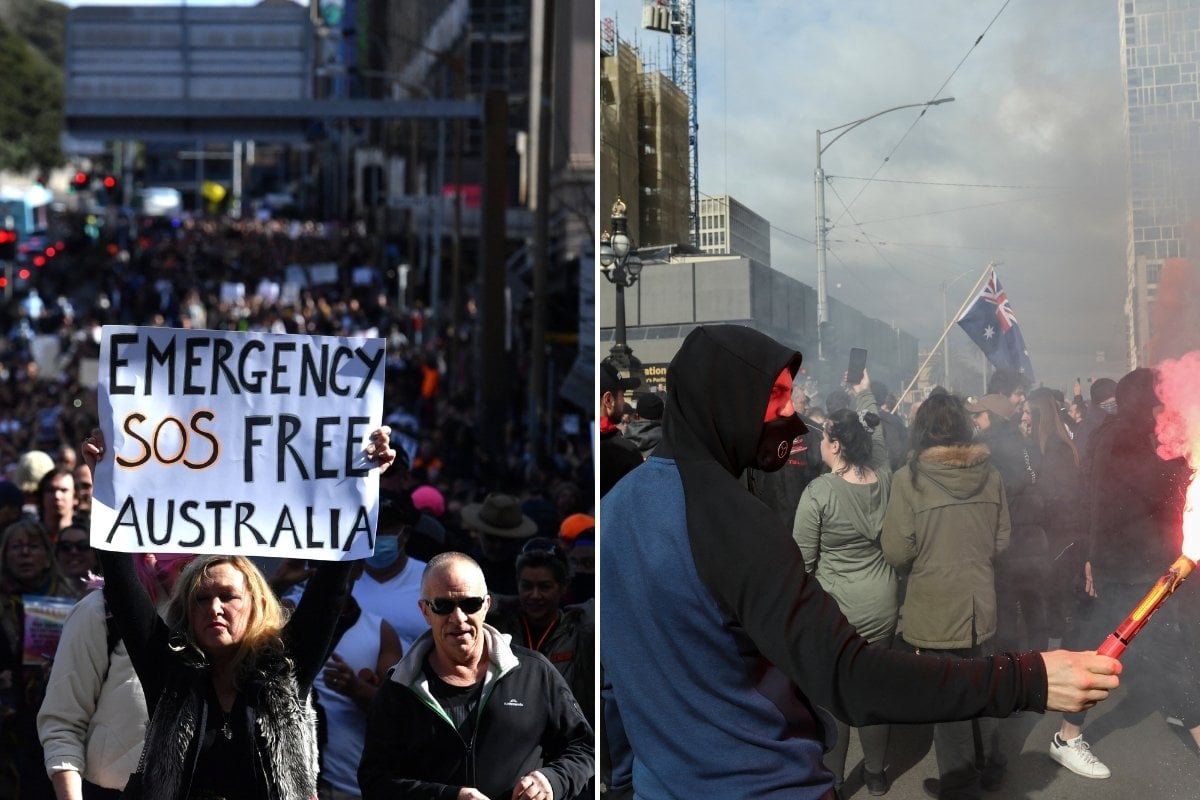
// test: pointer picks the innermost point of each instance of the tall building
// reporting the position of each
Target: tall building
(1160, 67)
(618, 111)
(728, 227)
(643, 146)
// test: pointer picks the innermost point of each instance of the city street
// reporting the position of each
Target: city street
(1146, 756)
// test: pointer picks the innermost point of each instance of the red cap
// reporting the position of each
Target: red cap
(574, 525)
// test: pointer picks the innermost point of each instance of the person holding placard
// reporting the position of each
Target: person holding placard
(227, 676)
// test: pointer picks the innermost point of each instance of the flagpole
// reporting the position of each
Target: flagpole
(991, 265)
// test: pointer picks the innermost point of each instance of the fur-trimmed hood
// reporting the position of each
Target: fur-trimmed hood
(961, 470)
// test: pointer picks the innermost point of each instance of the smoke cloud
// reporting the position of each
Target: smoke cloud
(1178, 426)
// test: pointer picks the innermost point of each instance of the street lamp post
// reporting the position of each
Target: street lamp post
(621, 266)
(822, 223)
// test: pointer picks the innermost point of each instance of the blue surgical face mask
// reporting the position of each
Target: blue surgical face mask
(387, 550)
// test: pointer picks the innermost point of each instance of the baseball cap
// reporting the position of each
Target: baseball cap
(611, 380)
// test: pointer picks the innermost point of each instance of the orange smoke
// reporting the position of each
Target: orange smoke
(1178, 432)
(1173, 319)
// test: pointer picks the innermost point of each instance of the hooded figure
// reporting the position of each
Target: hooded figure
(1134, 498)
(720, 649)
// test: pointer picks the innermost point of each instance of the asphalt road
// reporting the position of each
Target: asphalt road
(1147, 757)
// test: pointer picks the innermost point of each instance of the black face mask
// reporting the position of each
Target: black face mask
(775, 442)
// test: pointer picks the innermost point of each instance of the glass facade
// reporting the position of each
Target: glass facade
(1160, 55)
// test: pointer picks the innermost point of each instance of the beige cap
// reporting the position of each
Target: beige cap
(31, 468)
(998, 404)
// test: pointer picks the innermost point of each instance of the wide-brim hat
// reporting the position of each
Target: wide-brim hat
(499, 515)
(998, 404)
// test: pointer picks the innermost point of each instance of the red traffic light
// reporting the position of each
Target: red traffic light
(80, 179)
(8, 244)
(109, 181)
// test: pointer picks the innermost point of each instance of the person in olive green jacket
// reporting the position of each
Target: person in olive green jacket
(946, 521)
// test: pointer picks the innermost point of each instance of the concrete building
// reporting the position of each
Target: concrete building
(1160, 67)
(728, 227)
(672, 298)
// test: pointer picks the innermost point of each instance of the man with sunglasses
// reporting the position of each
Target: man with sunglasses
(467, 715)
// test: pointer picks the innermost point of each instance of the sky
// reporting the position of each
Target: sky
(1025, 168)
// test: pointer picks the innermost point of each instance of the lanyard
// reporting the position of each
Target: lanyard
(542, 639)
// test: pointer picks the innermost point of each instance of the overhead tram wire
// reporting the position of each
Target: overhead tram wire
(937, 93)
(951, 210)
(878, 252)
(950, 184)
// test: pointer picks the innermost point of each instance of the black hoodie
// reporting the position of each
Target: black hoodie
(1134, 499)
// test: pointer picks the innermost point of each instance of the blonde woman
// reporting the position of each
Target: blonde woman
(227, 676)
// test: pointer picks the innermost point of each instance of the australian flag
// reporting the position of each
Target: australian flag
(991, 324)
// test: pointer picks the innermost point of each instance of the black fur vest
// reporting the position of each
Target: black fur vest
(285, 731)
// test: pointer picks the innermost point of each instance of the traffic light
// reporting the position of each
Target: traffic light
(8, 245)
(79, 182)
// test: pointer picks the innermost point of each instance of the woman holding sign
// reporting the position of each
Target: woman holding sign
(228, 676)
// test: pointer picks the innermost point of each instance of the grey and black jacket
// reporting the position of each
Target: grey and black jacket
(527, 720)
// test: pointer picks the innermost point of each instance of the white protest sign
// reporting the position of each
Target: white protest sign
(237, 443)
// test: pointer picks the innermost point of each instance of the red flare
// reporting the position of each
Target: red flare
(1119, 639)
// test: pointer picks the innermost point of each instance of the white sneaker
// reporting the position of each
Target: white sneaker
(1076, 755)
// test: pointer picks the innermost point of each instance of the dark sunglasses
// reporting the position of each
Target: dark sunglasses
(443, 605)
(73, 547)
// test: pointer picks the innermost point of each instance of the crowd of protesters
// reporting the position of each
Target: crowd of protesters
(527, 522)
(1023, 519)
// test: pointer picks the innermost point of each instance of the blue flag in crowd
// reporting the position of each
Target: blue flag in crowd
(991, 324)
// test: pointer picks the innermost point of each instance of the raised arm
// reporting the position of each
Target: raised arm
(309, 633)
(144, 633)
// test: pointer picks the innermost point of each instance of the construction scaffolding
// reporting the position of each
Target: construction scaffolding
(663, 163)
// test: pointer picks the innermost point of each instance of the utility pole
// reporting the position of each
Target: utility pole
(541, 224)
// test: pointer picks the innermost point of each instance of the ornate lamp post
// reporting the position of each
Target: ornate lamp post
(621, 266)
